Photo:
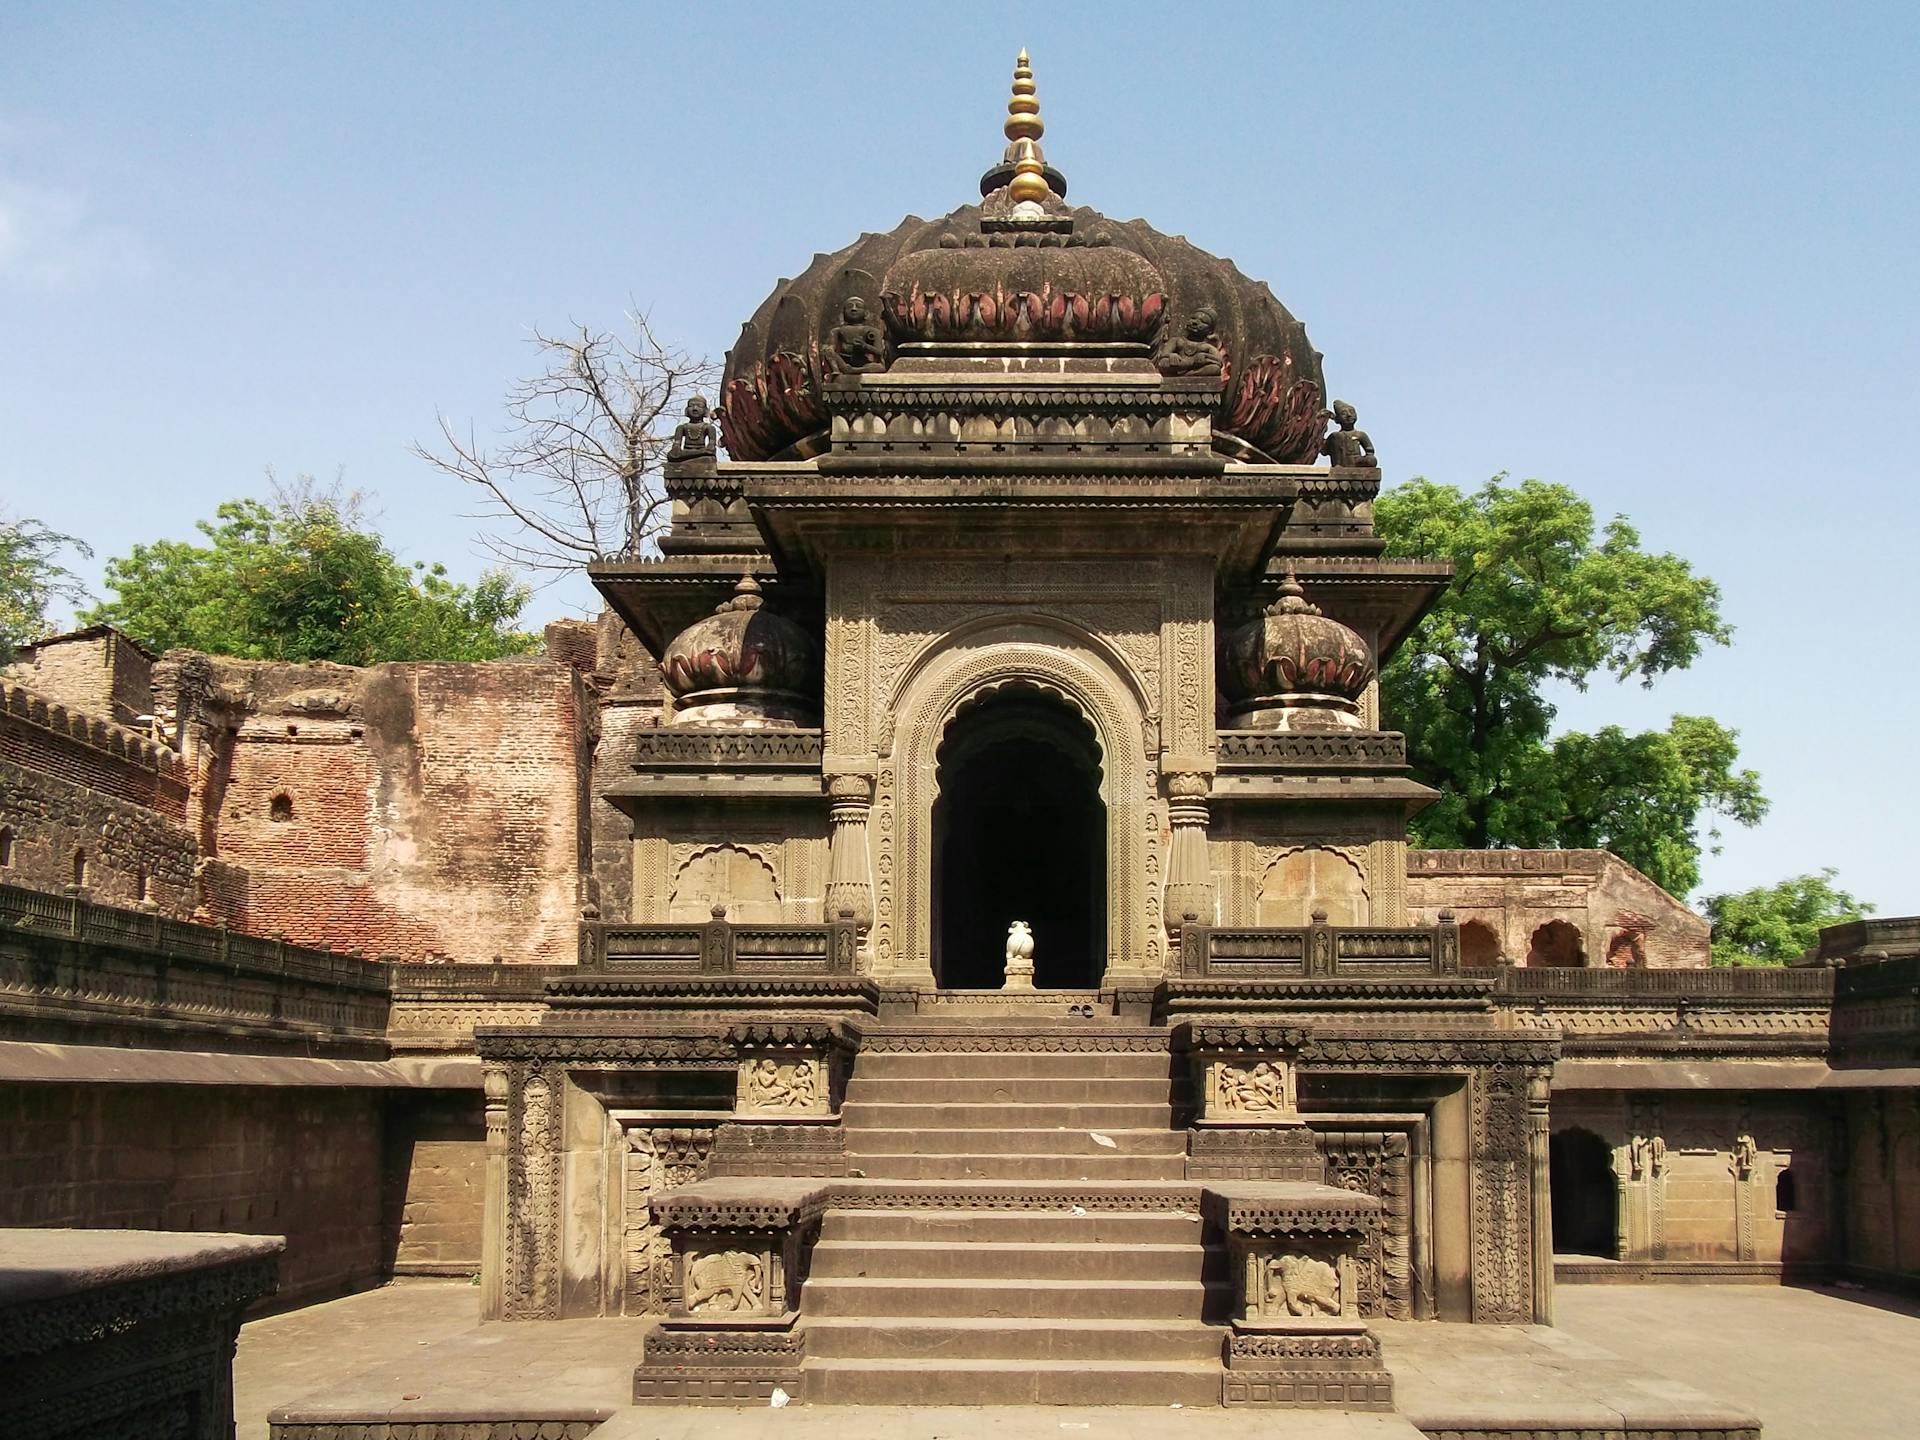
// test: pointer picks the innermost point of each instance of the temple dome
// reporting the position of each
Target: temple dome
(950, 279)
(1022, 267)
(742, 666)
(1294, 668)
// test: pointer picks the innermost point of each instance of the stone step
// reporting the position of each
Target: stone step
(965, 1227)
(1018, 1114)
(1011, 1382)
(866, 1297)
(1014, 1064)
(1058, 1141)
(1007, 1260)
(932, 1339)
(1108, 1195)
(1053, 1090)
(1100, 1166)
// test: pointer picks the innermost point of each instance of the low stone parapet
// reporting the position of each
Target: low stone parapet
(740, 1254)
(125, 1332)
(1298, 1339)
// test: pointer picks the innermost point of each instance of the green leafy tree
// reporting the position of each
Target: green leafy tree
(1543, 593)
(1777, 924)
(306, 578)
(32, 579)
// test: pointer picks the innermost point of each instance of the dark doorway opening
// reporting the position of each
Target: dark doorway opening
(1019, 833)
(1585, 1199)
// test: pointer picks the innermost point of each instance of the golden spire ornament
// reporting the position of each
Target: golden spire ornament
(1024, 129)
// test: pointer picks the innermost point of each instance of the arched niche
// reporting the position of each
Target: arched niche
(725, 875)
(1556, 945)
(1585, 1194)
(1309, 878)
(963, 669)
(1479, 945)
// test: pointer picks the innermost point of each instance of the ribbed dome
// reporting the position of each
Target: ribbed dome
(1293, 668)
(951, 279)
(742, 666)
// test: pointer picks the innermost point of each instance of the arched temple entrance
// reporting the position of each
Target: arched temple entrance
(1585, 1195)
(1019, 833)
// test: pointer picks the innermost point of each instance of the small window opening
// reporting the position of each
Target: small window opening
(281, 808)
(6, 845)
(140, 886)
(1785, 1192)
(80, 867)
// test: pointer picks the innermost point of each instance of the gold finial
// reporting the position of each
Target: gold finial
(1024, 129)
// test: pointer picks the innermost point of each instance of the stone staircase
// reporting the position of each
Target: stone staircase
(1018, 1229)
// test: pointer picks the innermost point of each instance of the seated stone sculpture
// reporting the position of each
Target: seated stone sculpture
(696, 437)
(1195, 352)
(1346, 446)
(856, 345)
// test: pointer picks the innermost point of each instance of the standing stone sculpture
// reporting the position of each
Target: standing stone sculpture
(1019, 956)
(1347, 447)
(856, 345)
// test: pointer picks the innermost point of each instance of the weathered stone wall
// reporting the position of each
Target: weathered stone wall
(435, 1159)
(89, 802)
(298, 1162)
(98, 670)
(1882, 1177)
(1697, 1177)
(417, 810)
(1554, 908)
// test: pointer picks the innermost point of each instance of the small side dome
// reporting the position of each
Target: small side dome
(742, 667)
(1293, 668)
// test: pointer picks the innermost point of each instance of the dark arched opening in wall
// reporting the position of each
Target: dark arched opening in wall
(1479, 946)
(1585, 1197)
(1556, 946)
(1019, 833)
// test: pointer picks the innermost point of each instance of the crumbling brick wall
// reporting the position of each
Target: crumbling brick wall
(84, 801)
(98, 670)
(424, 811)
(1584, 907)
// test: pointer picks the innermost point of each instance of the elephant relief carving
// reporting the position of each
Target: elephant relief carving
(1301, 1285)
(725, 1281)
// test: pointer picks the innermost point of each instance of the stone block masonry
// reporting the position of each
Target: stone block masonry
(303, 1163)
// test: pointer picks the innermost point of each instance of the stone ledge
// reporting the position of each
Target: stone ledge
(736, 1203)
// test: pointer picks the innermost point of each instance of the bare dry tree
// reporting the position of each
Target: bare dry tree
(577, 472)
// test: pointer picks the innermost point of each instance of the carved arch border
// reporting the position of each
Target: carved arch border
(1100, 689)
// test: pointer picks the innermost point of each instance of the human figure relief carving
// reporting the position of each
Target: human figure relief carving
(1300, 1285)
(1259, 1088)
(774, 1086)
(725, 1282)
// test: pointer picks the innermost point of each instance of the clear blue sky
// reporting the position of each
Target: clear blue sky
(1663, 254)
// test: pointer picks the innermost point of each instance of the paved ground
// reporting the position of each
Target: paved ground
(1809, 1363)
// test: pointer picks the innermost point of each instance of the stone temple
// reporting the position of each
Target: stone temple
(947, 934)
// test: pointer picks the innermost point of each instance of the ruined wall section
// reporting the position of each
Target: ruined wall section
(87, 802)
(98, 670)
(1573, 908)
(423, 811)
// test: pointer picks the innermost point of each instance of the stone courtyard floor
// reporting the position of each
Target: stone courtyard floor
(1810, 1363)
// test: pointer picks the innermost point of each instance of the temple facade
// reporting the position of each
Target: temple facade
(956, 908)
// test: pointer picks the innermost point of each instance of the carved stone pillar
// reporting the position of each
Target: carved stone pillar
(1189, 877)
(493, 1200)
(849, 868)
(1537, 1152)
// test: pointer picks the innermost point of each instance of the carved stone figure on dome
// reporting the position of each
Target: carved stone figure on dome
(1347, 447)
(1195, 352)
(856, 345)
(696, 437)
